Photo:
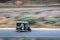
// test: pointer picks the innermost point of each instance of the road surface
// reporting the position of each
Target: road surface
(36, 33)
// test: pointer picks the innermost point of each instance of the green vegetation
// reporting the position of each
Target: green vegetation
(51, 19)
(57, 23)
(30, 18)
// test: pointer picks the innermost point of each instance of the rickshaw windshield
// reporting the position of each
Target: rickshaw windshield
(18, 24)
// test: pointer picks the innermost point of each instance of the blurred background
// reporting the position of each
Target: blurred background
(37, 17)
(43, 17)
(29, 3)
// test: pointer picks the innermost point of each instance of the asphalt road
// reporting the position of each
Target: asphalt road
(36, 33)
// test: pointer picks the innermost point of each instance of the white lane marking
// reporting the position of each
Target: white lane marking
(32, 28)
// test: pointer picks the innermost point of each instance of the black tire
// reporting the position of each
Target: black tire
(17, 30)
(29, 30)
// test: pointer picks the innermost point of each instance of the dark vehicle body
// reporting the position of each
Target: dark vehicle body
(22, 27)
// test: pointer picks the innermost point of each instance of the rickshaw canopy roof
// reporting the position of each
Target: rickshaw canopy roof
(21, 22)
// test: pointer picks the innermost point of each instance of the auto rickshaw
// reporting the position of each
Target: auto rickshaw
(22, 27)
